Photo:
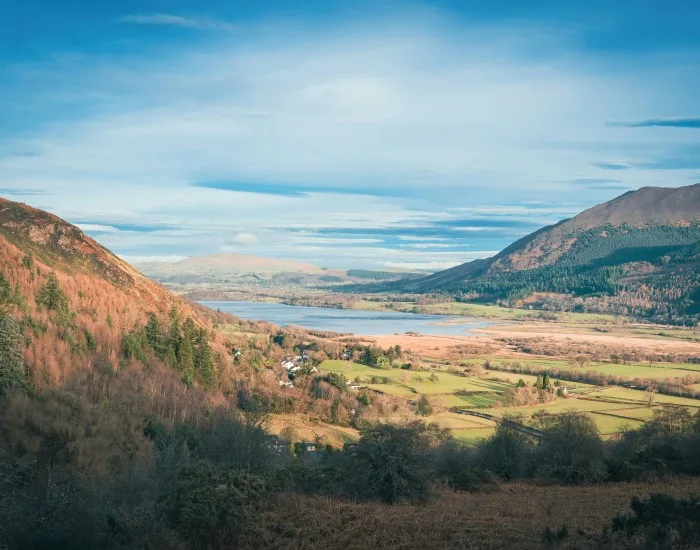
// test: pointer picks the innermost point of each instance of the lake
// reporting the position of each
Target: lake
(365, 323)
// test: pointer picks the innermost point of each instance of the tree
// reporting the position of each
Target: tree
(185, 358)
(571, 449)
(154, 336)
(51, 295)
(174, 329)
(423, 406)
(204, 362)
(391, 462)
(12, 372)
(650, 395)
(8, 296)
(508, 453)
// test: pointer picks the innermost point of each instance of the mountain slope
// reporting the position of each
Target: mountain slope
(636, 250)
(96, 300)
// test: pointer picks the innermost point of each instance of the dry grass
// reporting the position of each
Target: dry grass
(514, 517)
(308, 430)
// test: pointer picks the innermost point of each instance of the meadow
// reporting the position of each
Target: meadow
(612, 408)
(484, 311)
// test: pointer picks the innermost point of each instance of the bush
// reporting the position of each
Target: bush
(659, 522)
(390, 463)
(508, 454)
(423, 406)
(210, 507)
(571, 450)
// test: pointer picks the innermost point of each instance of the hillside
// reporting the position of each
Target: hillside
(70, 308)
(635, 255)
(76, 302)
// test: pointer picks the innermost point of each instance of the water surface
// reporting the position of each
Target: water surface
(366, 323)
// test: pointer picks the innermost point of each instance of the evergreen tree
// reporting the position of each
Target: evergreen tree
(204, 362)
(12, 372)
(185, 357)
(154, 336)
(538, 382)
(51, 296)
(174, 330)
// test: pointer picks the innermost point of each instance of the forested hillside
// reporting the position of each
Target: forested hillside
(636, 255)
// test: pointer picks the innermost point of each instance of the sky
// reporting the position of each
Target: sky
(345, 134)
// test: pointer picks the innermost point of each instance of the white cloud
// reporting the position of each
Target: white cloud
(148, 259)
(442, 123)
(175, 21)
(96, 228)
(245, 238)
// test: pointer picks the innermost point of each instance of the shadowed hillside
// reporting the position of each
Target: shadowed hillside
(635, 255)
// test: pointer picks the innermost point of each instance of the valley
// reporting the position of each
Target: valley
(303, 387)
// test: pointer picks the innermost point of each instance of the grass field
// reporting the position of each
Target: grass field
(415, 382)
(656, 371)
(612, 408)
(484, 311)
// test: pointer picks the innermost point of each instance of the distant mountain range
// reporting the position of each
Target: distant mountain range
(243, 268)
(638, 254)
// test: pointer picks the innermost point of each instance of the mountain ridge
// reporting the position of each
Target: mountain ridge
(626, 245)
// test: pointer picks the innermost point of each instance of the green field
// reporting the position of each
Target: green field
(612, 408)
(655, 371)
(481, 310)
(413, 381)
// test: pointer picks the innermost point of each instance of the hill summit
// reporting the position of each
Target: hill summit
(636, 255)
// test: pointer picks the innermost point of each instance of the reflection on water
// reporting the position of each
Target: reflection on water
(350, 320)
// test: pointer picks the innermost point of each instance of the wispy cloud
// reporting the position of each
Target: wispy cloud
(613, 165)
(688, 122)
(295, 190)
(171, 20)
(336, 143)
(23, 191)
(600, 184)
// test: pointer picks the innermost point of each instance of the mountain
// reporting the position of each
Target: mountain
(215, 267)
(243, 269)
(77, 304)
(636, 255)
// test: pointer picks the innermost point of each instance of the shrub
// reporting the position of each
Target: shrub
(423, 406)
(571, 450)
(659, 522)
(210, 507)
(390, 462)
(508, 453)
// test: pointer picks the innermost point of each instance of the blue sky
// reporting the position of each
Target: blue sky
(341, 133)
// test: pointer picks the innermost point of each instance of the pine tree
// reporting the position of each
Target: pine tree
(546, 383)
(204, 362)
(538, 382)
(185, 358)
(13, 375)
(174, 330)
(154, 336)
(51, 295)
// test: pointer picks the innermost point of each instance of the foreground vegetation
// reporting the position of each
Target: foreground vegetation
(116, 461)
